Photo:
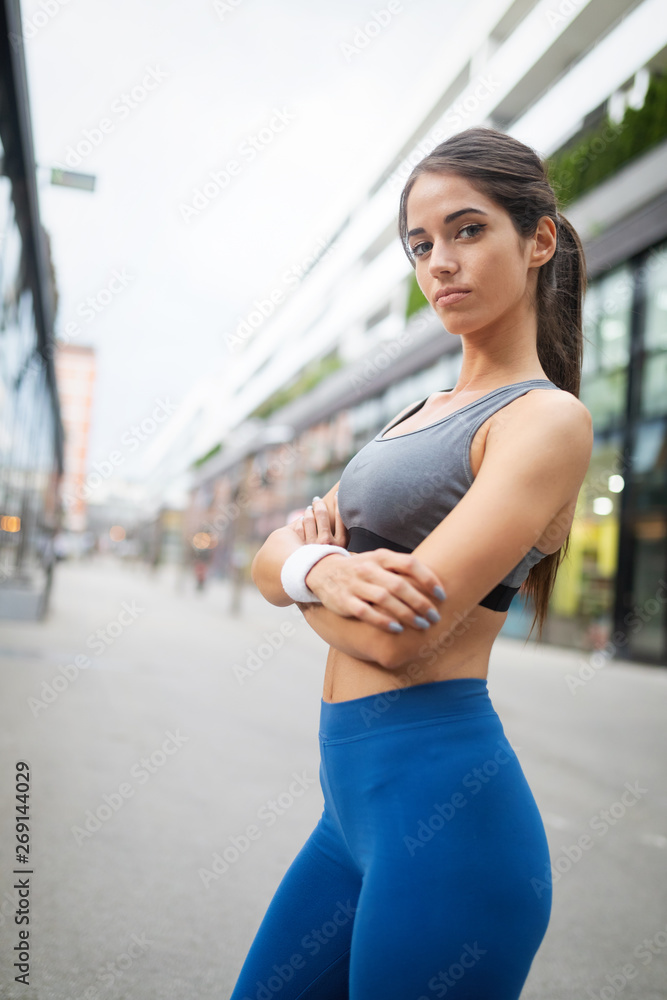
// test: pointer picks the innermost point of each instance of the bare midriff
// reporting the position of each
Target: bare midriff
(465, 654)
(466, 650)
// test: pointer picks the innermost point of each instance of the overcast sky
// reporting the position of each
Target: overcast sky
(155, 95)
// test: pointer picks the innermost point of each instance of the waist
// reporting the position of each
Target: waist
(457, 697)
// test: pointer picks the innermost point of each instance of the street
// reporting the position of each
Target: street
(173, 760)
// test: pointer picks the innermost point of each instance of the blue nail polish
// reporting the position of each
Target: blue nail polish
(439, 593)
(432, 615)
(421, 622)
(395, 627)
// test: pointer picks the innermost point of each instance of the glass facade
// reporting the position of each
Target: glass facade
(29, 469)
(611, 590)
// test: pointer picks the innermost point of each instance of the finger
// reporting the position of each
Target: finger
(409, 565)
(322, 520)
(297, 527)
(365, 612)
(395, 587)
(310, 526)
(400, 602)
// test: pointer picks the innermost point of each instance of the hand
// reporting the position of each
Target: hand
(383, 588)
(315, 525)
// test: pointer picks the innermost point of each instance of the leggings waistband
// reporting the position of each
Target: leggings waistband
(456, 697)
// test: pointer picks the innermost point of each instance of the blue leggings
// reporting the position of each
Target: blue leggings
(424, 876)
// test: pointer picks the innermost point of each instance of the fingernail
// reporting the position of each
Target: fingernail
(432, 615)
(309, 507)
(439, 593)
(421, 622)
(395, 627)
(316, 498)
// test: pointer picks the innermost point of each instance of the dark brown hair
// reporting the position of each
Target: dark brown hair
(513, 175)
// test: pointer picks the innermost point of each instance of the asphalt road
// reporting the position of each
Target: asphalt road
(156, 727)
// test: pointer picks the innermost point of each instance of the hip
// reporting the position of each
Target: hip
(426, 763)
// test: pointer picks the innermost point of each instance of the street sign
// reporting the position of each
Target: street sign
(73, 179)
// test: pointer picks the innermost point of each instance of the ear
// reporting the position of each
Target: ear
(543, 243)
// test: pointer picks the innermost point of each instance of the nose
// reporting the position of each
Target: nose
(442, 259)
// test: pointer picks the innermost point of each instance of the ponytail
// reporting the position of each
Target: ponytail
(512, 174)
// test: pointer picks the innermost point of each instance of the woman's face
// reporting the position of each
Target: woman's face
(461, 239)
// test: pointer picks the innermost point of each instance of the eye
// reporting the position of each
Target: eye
(475, 226)
(419, 249)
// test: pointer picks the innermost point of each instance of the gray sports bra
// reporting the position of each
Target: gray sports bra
(396, 490)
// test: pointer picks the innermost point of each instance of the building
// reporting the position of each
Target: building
(75, 375)
(584, 83)
(31, 434)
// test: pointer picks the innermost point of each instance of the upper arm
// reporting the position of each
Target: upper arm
(533, 463)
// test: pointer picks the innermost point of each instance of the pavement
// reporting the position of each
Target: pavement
(156, 726)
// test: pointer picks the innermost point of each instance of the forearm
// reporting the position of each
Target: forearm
(348, 635)
(268, 562)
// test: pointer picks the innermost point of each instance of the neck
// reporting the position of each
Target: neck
(502, 355)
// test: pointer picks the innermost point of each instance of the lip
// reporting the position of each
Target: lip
(448, 296)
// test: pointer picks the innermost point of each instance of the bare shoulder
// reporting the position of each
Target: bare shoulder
(552, 409)
(544, 426)
(562, 414)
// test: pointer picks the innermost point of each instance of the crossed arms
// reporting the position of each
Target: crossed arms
(533, 468)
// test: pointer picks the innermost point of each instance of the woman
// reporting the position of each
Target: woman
(425, 874)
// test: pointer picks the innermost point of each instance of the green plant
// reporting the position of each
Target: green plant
(416, 298)
(603, 150)
(209, 454)
(305, 381)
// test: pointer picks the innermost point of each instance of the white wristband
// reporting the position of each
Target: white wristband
(297, 566)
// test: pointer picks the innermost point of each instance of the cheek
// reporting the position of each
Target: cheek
(503, 275)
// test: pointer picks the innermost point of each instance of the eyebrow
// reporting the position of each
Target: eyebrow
(450, 218)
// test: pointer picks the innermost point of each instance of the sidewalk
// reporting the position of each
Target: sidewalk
(186, 723)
